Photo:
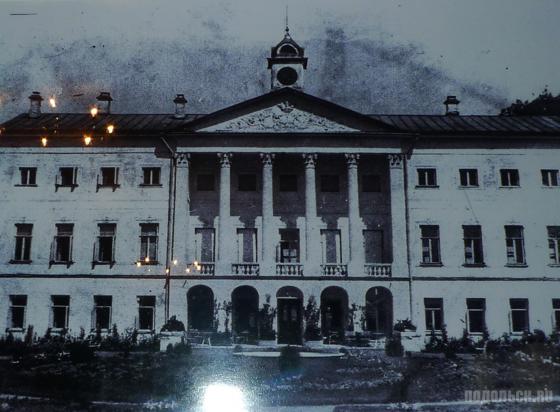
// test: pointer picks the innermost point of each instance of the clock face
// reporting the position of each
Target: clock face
(287, 76)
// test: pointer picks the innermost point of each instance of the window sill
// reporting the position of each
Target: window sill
(516, 265)
(16, 330)
(57, 263)
(19, 185)
(427, 187)
(143, 185)
(72, 186)
(103, 263)
(554, 265)
(145, 331)
(20, 262)
(550, 187)
(469, 187)
(435, 264)
(509, 187)
(150, 263)
(113, 187)
(474, 265)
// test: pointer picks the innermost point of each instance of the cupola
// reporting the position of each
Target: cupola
(287, 63)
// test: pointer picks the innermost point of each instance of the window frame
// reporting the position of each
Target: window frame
(149, 172)
(17, 306)
(325, 239)
(509, 175)
(99, 305)
(101, 183)
(466, 177)
(30, 174)
(199, 242)
(106, 231)
(60, 234)
(149, 238)
(430, 244)
(476, 252)
(290, 244)
(481, 309)
(526, 312)
(66, 307)
(59, 177)
(241, 238)
(26, 241)
(553, 245)
(431, 309)
(424, 177)
(556, 314)
(513, 245)
(146, 306)
(550, 178)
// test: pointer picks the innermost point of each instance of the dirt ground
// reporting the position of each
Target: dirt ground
(173, 381)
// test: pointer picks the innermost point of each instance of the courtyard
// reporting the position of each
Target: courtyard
(180, 380)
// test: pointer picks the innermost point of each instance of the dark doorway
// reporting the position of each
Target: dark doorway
(290, 315)
(200, 308)
(334, 314)
(245, 310)
(379, 312)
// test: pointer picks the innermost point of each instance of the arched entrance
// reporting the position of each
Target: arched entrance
(334, 313)
(200, 308)
(290, 315)
(379, 312)
(245, 311)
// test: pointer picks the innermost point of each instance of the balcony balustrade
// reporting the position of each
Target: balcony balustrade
(250, 269)
(334, 269)
(380, 270)
(289, 269)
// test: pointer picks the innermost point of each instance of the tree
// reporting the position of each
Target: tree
(544, 105)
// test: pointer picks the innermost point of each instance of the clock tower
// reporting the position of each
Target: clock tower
(287, 63)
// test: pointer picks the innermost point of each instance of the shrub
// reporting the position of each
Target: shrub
(312, 315)
(393, 346)
(289, 360)
(403, 325)
(173, 325)
(266, 321)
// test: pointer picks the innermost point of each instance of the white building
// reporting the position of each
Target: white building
(445, 220)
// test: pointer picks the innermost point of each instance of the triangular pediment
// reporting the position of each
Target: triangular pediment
(287, 111)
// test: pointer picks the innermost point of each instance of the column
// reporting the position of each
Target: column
(224, 236)
(312, 241)
(268, 249)
(182, 229)
(356, 263)
(398, 216)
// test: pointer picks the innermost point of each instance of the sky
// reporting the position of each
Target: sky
(373, 56)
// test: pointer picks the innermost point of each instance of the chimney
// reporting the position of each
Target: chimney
(180, 106)
(451, 106)
(104, 102)
(35, 105)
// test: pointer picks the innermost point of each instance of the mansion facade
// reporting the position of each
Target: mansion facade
(272, 204)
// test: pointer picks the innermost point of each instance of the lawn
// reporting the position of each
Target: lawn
(361, 376)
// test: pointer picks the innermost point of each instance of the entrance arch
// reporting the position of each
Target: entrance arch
(200, 308)
(245, 311)
(379, 312)
(290, 315)
(334, 313)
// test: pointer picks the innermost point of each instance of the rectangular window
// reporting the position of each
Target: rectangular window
(288, 183)
(549, 177)
(18, 305)
(476, 315)
(105, 252)
(146, 312)
(151, 176)
(102, 310)
(247, 245)
(28, 176)
(472, 237)
(515, 247)
(62, 245)
(149, 243)
(373, 246)
(469, 177)
(247, 182)
(509, 177)
(205, 182)
(289, 246)
(556, 314)
(554, 244)
(371, 183)
(332, 252)
(430, 244)
(22, 253)
(519, 315)
(67, 177)
(329, 183)
(427, 178)
(204, 238)
(109, 177)
(60, 311)
(433, 308)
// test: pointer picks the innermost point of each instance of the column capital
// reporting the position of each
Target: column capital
(352, 159)
(225, 159)
(310, 159)
(395, 160)
(183, 159)
(267, 158)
